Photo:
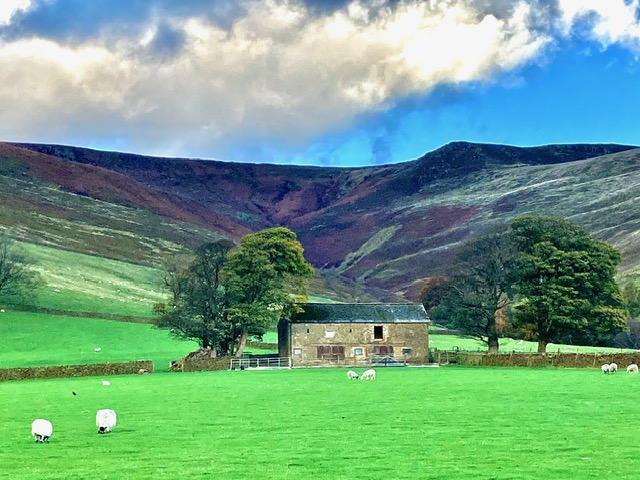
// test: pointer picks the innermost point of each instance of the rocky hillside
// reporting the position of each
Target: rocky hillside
(385, 228)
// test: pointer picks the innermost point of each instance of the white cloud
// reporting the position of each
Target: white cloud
(280, 73)
(8, 8)
(611, 21)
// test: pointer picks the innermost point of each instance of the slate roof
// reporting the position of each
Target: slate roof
(360, 313)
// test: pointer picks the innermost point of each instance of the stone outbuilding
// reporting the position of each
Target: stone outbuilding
(355, 334)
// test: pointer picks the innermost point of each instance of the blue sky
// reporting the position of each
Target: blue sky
(338, 83)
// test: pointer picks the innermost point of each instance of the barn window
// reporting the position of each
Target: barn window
(406, 351)
(382, 349)
(357, 351)
(307, 330)
(329, 334)
(377, 332)
(297, 351)
(331, 352)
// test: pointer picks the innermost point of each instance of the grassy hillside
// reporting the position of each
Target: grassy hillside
(87, 283)
(447, 423)
(383, 229)
(455, 342)
(35, 209)
(32, 339)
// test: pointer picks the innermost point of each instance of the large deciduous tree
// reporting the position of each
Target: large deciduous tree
(262, 277)
(631, 298)
(565, 282)
(17, 276)
(197, 308)
(478, 290)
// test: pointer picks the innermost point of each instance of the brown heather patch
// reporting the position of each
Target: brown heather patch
(431, 205)
(329, 246)
(109, 186)
(434, 220)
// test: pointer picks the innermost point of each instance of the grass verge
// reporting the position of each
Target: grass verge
(446, 423)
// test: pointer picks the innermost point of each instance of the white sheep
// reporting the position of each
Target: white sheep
(368, 375)
(41, 430)
(633, 368)
(106, 383)
(605, 368)
(351, 375)
(613, 367)
(105, 420)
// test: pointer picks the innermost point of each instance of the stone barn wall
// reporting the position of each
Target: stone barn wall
(316, 344)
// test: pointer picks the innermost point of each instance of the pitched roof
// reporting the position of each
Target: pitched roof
(360, 313)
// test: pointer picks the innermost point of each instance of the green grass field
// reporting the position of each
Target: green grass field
(453, 342)
(411, 423)
(86, 283)
(29, 339)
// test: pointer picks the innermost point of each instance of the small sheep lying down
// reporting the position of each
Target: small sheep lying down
(613, 368)
(633, 368)
(41, 430)
(351, 375)
(105, 420)
(368, 375)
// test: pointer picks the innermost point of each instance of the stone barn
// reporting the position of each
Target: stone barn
(355, 334)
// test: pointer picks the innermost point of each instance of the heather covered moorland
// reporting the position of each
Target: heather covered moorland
(371, 232)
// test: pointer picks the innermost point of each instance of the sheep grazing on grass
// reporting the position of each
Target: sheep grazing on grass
(613, 368)
(105, 420)
(605, 368)
(351, 375)
(106, 383)
(368, 375)
(633, 368)
(41, 430)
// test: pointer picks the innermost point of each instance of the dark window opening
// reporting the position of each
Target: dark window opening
(307, 330)
(406, 351)
(331, 352)
(377, 332)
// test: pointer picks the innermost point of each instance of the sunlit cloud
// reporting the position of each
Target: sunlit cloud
(610, 22)
(8, 8)
(279, 72)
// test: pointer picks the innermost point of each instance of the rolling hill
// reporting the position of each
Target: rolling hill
(373, 232)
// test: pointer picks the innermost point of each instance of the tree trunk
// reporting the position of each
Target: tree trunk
(492, 341)
(242, 341)
(542, 346)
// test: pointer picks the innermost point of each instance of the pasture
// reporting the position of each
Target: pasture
(34, 339)
(468, 344)
(86, 283)
(426, 423)
(37, 339)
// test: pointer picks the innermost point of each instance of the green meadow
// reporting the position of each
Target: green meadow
(86, 283)
(455, 342)
(410, 423)
(34, 339)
